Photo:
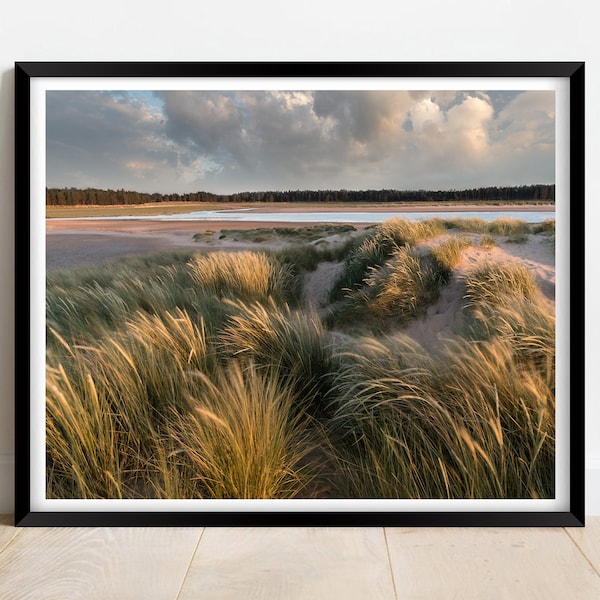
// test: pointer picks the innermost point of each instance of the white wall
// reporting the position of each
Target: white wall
(310, 30)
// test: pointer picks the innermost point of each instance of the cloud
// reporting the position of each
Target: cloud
(94, 137)
(524, 136)
(205, 119)
(256, 140)
(528, 120)
(426, 115)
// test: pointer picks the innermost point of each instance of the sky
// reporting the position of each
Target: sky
(236, 141)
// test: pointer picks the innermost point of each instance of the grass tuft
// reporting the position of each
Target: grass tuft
(242, 438)
(250, 276)
(500, 284)
(294, 343)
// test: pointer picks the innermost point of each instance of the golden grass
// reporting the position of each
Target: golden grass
(449, 252)
(243, 437)
(500, 283)
(402, 287)
(468, 423)
(246, 275)
(292, 342)
(193, 378)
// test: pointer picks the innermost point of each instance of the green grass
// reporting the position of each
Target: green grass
(293, 342)
(398, 291)
(377, 245)
(517, 238)
(83, 304)
(404, 286)
(203, 234)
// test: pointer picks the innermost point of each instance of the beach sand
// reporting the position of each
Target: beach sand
(444, 317)
(76, 242)
(72, 243)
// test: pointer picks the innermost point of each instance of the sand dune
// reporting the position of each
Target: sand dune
(74, 243)
(443, 318)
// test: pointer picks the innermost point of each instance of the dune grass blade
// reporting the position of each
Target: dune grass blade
(498, 283)
(448, 253)
(471, 422)
(377, 246)
(83, 445)
(83, 304)
(249, 276)
(121, 390)
(394, 293)
(509, 227)
(292, 342)
(242, 438)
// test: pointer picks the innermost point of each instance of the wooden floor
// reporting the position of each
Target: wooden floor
(303, 563)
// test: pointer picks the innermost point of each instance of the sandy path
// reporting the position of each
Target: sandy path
(443, 319)
(318, 283)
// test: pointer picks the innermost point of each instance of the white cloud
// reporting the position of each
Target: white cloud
(426, 115)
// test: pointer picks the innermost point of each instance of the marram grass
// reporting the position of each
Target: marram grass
(399, 290)
(195, 376)
(499, 283)
(249, 276)
(293, 342)
(243, 438)
(377, 246)
(471, 424)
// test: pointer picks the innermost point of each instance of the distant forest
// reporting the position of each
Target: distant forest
(92, 196)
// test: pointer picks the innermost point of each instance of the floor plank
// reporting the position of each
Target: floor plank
(588, 540)
(290, 563)
(495, 564)
(96, 563)
(7, 530)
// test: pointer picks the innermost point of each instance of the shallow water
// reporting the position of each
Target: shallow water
(248, 215)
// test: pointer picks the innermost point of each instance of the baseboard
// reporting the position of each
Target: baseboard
(592, 485)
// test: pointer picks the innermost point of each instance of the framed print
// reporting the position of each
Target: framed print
(278, 294)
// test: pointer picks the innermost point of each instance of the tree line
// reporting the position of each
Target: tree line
(93, 196)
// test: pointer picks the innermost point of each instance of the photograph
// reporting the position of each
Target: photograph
(343, 296)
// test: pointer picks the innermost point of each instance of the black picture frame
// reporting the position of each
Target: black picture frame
(26, 513)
